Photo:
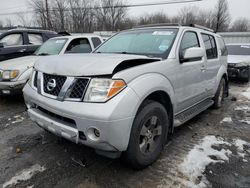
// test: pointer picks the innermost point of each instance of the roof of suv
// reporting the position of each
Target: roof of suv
(31, 30)
(173, 25)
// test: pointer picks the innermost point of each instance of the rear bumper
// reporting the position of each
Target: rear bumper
(76, 121)
(11, 88)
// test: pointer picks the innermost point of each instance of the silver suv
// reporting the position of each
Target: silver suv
(129, 95)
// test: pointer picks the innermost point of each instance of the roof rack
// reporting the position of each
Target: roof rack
(174, 24)
(157, 25)
(200, 27)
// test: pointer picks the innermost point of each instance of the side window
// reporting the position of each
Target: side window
(96, 41)
(223, 47)
(35, 39)
(12, 40)
(189, 40)
(210, 45)
(79, 46)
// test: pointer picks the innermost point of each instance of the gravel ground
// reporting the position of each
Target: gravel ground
(212, 150)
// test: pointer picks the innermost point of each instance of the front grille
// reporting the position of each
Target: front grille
(67, 121)
(79, 88)
(58, 80)
(35, 79)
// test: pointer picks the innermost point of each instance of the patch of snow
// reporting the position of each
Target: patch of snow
(245, 121)
(199, 157)
(242, 108)
(240, 147)
(24, 175)
(247, 93)
(227, 120)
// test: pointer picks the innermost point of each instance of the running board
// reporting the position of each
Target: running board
(192, 112)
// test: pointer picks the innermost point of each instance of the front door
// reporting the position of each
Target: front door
(192, 78)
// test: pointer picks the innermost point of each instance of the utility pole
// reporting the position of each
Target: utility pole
(47, 14)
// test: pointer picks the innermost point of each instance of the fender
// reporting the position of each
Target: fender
(145, 85)
(221, 72)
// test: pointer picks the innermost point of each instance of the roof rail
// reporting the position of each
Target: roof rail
(200, 27)
(157, 25)
(174, 24)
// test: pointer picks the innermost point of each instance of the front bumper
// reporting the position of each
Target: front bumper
(11, 88)
(76, 121)
(238, 72)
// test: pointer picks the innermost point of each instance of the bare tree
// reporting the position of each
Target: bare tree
(24, 20)
(39, 13)
(110, 13)
(80, 11)
(221, 16)
(241, 25)
(154, 18)
(59, 15)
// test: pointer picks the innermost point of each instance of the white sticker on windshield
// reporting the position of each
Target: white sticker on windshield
(163, 33)
(60, 41)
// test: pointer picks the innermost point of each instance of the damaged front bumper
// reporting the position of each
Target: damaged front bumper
(239, 72)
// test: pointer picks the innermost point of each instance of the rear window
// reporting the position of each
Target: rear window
(238, 49)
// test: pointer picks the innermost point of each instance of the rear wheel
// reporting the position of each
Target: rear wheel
(220, 94)
(148, 134)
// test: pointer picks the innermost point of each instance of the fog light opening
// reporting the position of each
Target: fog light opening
(93, 134)
(97, 133)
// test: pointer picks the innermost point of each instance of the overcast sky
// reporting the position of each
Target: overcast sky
(238, 8)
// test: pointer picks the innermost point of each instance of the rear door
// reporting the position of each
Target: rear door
(212, 61)
(14, 46)
(192, 83)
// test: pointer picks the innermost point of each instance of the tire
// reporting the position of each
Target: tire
(220, 94)
(148, 135)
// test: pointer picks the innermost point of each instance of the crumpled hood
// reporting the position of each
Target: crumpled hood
(238, 59)
(84, 64)
(21, 63)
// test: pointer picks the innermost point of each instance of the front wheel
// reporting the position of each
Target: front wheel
(148, 135)
(220, 94)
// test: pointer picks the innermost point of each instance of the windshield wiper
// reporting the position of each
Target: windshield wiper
(43, 54)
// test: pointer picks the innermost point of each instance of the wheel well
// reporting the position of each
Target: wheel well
(163, 98)
(227, 84)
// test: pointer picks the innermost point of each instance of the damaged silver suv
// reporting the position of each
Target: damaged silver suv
(127, 97)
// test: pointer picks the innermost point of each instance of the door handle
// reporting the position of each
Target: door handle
(203, 68)
(22, 50)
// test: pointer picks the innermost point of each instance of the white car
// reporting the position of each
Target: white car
(239, 62)
(15, 73)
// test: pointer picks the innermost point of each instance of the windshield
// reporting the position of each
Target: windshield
(155, 43)
(51, 47)
(238, 49)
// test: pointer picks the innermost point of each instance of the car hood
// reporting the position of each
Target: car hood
(89, 64)
(238, 59)
(20, 63)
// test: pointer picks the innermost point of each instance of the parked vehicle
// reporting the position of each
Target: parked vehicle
(22, 42)
(127, 96)
(15, 73)
(239, 62)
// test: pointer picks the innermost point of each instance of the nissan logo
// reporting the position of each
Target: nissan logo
(51, 85)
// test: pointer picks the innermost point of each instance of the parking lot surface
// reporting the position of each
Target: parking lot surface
(212, 150)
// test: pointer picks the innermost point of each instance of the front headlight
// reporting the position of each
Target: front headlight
(10, 75)
(101, 90)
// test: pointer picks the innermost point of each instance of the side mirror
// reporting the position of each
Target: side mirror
(193, 54)
(1, 45)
